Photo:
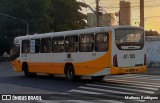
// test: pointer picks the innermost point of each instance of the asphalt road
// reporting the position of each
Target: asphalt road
(112, 89)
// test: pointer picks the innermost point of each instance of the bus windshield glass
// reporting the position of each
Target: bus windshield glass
(129, 39)
(15, 51)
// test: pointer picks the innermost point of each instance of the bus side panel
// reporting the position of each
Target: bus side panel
(50, 68)
(96, 61)
(94, 66)
(97, 64)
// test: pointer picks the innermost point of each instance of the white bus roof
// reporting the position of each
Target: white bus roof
(72, 32)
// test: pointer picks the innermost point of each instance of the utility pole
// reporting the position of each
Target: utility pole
(142, 13)
(97, 12)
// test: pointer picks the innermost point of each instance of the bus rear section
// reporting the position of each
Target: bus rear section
(128, 54)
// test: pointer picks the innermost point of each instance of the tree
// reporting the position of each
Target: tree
(33, 11)
(42, 16)
(67, 16)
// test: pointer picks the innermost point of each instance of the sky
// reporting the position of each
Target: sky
(151, 11)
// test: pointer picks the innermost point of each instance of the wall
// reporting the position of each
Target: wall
(153, 53)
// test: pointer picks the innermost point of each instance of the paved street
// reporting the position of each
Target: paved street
(113, 89)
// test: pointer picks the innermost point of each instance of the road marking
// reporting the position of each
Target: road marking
(80, 101)
(86, 92)
(137, 90)
(130, 83)
(140, 100)
(137, 75)
(48, 101)
(105, 90)
(148, 77)
(135, 82)
(150, 88)
(111, 101)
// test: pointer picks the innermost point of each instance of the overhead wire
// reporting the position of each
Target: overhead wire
(106, 13)
(148, 3)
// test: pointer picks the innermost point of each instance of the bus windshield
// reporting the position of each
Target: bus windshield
(15, 51)
(129, 39)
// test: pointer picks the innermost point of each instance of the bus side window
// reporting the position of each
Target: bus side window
(25, 46)
(46, 45)
(86, 43)
(71, 43)
(37, 45)
(101, 42)
(58, 44)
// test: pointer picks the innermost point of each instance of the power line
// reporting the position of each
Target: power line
(89, 7)
(144, 2)
(91, 3)
(132, 6)
(111, 16)
(111, 6)
(153, 17)
(95, 12)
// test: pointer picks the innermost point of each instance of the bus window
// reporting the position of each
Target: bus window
(58, 44)
(71, 43)
(34, 46)
(46, 45)
(37, 45)
(86, 43)
(129, 39)
(25, 46)
(101, 42)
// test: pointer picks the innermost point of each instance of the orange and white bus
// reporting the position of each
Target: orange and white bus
(94, 52)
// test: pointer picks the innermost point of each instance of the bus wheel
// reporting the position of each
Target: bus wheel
(97, 78)
(69, 72)
(27, 73)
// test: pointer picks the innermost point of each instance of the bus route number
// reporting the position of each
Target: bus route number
(129, 56)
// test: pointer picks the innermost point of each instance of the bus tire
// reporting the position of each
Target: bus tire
(97, 78)
(26, 71)
(69, 73)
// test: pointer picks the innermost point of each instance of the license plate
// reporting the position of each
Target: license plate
(131, 70)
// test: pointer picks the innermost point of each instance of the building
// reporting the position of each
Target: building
(125, 13)
(104, 20)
